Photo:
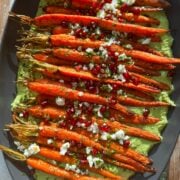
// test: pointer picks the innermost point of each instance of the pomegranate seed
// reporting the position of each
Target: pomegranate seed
(93, 89)
(87, 123)
(80, 145)
(108, 17)
(80, 33)
(83, 161)
(90, 110)
(73, 143)
(171, 73)
(46, 122)
(96, 70)
(121, 20)
(124, 7)
(44, 103)
(70, 111)
(135, 81)
(103, 109)
(94, 151)
(25, 114)
(146, 113)
(93, 25)
(64, 24)
(63, 125)
(112, 100)
(93, 36)
(72, 122)
(126, 143)
(136, 11)
(113, 67)
(78, 67)
(127, 76)
(104, 128)
(115, 87)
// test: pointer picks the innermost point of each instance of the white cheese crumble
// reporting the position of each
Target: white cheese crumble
(20, 147)
(94, 161)
(80, 94)
(61, 81)
(31, 150)
(128, 2)
(64, 148)
(88, 150)
(121, 69)
(89, 50)
(93, 128)
(105, 136)
(145, 41)
(60, 101)
(50, 141)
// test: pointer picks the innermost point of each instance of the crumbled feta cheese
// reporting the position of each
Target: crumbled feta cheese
(93, 128)
(21, 115)
(97, 111)
(120, 92)
(105, 136)
(120, 134)
(122, 57)
(79, 48)
(31, 150)
(85, 68)
(74, 85)
(97, 31)
(91, 66)
(64, 148)
(61, 81)
(103, 52)
(110, 42)
(121, 69)
(20, 147)
(128, 2)
(128, 46)
(101, 14)
(50, 141)
(145, 41)
(94, 161)
(60, 101)
(88, 150)
(80, 94)
(89, 50)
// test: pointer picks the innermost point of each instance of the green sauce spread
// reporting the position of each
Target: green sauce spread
(138, 144)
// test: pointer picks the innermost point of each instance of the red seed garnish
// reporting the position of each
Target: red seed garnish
(70, 111)
(103, 109)
(96, 70)
(113, 67)
(94, 151)
(46, 122)
(87, 123)
(124, 7)
(73, 143)
(136, 11)
(127, 76)
(126, 143)
(78, 67)
(104, 128)
(112, 100)
(135, 81)
(146, 113)
(44, 103)
(25, 114)
(65, 24)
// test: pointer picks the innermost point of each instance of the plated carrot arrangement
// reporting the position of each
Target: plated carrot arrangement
(93, 88)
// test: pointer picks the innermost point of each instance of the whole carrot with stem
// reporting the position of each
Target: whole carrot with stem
(127, 16)
(55, 19)
(60, 90)
(62, 134)
(41, 165)
(55, 113)
(68, 40)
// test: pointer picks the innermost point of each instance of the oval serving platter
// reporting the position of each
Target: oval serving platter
(8, 69)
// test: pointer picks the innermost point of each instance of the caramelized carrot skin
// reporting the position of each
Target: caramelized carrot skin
(56, 19)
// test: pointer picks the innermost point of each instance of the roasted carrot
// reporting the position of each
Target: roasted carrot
(69, 135)
(55, 113)
(54, 170)
(55, 155)
(56, 19)
(58, 144)
(153, 3)
(137, 103)
(60, 30)
(127, 16)
(68, 40)
(144, 56)
(41, 165)
(60, 90)
(144, 9)
(149, 81)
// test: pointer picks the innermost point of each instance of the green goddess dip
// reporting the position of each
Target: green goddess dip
(138, 144)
